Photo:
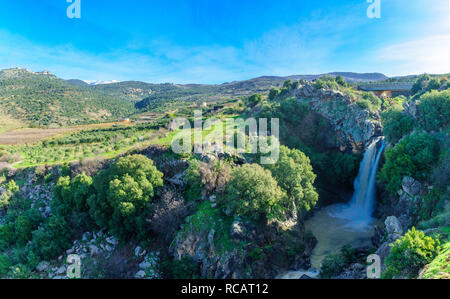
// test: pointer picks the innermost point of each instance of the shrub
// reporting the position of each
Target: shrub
(295, 176)
(254, 100)
(273, 93)
(409, 254)
(10, 189)
(253, 192)
(124, 195)
(434, 110)
(413, 156)
(396, 123)
(193, 181)
(363, 104)
(5, 264)
(332, 265)
(185, 268)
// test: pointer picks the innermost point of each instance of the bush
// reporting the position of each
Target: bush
(363, 104)
(5, 264)
(332, 265)
(185, 268)
(124, 196)
(396, 124)
(10, 189)
(295, 176)
(193, 181)
(273, 93)
(409, 254)
(254, 100)
(414, 156)
(253, 192)
(434, 110)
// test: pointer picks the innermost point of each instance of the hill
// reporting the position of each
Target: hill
(41, 99)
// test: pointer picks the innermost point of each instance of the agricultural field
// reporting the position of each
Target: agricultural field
(75, 144)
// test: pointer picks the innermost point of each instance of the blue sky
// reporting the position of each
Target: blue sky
(209, 41)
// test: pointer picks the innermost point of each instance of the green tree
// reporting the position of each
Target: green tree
(341, 81)
(124, 195)
(10, 189)
(254, 100)
(273, 93)
(253, 192)
(434, 110)
(434, 84)
(396, 123)
(409, 254)
(295, 176)
(421, 83)
(413, 156)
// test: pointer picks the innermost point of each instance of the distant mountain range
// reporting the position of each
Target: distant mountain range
(42, 99)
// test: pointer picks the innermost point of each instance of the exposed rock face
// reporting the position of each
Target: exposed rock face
(354, 128)
(411, 186)
(392, 231)
(411, 108)
(244, 259)
(393, 227)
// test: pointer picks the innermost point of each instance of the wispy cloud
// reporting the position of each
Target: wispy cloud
(427, 55)
(282, 51)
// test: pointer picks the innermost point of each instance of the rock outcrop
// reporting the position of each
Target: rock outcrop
(355, 128)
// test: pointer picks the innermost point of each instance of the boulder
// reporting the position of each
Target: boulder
(411, 186)
(42, 266)
(237, 230)
(393, 227)
(93, 249)
(139, 252)
(383, 251)
(141, 274)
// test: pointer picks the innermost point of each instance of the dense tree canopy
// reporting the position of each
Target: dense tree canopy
(295, 176)
(413, 156)
(253, 192)
(396, 123)
(410, 253)
(124, 195)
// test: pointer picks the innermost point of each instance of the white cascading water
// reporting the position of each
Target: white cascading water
(361, 207)
(341, 224)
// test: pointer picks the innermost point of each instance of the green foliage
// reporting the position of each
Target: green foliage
(434, 84)
(295, 176)
(341, 81)
(193, 181)
(254, 100)
(421, 83)
(396, 124)
(5, 265)
(363, 104)
(273, 93)
(253, 192)
(434, 110)
(332, 265)
(414, 156)
(44, 100)
(439, 268)
(185, 268)
(10, 189)
(409, 254)
(53, 238)
(124, 196)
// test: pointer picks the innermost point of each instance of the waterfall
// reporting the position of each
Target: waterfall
(362, 204)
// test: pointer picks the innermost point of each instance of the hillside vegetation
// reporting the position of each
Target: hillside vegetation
(42, 100)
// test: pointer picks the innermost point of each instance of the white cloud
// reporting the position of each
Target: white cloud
(427, 55)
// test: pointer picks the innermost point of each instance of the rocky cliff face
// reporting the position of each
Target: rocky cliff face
(242, 249)
(354, 128)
